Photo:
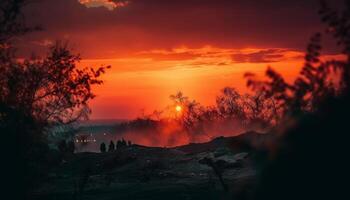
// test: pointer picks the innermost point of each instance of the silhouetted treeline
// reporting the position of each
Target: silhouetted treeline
(233, 113)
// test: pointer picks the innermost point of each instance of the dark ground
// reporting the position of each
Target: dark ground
(188, 172)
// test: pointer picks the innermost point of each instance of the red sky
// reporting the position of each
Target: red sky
(159, 47)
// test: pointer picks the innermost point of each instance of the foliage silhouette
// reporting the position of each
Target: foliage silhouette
(111, 146)
(311, 160)
(103, 147)
(36, 94)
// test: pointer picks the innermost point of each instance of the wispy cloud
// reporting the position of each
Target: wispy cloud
(209, 55)
(260, 56)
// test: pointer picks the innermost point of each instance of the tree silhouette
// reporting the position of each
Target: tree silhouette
(260, 110)
(35, 94)
(123, 142)
(12, 21)
(49, 91)
(111, 146)
(103, 147)
(314, 83)
(229, 104)
(298, 168)
(190, 114)
(179, 98)
(46, 91)
(338, 26)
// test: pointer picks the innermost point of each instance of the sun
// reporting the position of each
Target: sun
(178, 108)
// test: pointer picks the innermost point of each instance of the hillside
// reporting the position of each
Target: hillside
(194, 171)
(244, 142)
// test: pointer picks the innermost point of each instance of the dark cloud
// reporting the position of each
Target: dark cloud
(158, 24)
(263, 56)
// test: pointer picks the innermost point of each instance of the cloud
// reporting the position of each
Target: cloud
(209, 55)
(185, 53)
(109, 4)
(261, 56)
(139, 25)
(267, 55)
(162, 55)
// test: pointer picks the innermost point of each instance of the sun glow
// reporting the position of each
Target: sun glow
(178, 108)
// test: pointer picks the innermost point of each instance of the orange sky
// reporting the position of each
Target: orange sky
(159, 47)
(145, 81)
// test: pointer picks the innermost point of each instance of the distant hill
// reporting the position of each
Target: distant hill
(244, 142)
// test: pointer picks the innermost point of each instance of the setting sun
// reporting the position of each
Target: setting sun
(178, 108)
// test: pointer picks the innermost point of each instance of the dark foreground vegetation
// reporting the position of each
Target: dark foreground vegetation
(304, 156)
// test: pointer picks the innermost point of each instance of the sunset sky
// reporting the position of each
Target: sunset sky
(159, 47)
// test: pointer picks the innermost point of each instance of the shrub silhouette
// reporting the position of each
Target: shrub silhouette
(121, 143)
(103, 147)
(111, 146)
